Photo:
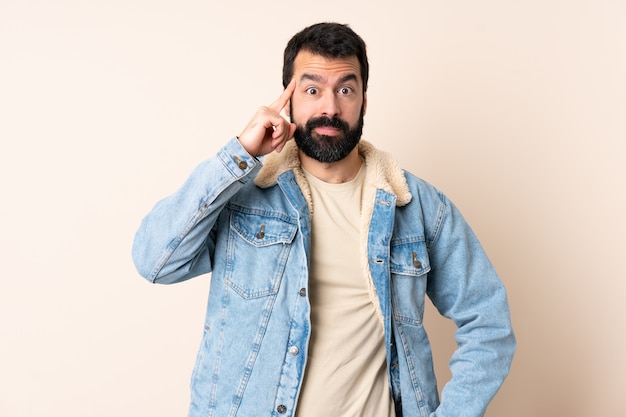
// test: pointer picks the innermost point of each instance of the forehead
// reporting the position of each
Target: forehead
(309, 63)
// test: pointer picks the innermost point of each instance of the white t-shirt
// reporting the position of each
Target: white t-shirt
(346, 373)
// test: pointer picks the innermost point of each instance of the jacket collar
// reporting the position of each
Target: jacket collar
(382, 171)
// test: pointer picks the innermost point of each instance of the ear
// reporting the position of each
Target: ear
(364, 102)
(288, 108)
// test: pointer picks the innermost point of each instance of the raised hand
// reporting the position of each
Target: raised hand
(268, 130)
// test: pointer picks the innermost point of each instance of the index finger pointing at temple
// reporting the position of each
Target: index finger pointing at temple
(282, 101)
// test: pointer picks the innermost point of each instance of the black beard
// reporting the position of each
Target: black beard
(325, 148)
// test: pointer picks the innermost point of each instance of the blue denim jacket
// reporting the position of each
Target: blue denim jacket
(248, 222)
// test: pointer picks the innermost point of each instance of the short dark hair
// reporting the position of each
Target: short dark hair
(330, 40)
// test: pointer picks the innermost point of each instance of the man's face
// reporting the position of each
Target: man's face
(327, 106)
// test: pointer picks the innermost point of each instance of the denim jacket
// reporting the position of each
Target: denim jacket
(248, 222)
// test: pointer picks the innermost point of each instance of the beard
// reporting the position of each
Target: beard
(324, 148)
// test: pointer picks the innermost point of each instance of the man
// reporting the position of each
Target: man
(322, 252)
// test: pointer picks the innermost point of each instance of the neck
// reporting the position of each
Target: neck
(333, 172)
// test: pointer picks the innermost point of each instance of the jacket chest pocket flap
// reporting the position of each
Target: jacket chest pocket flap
(258, 249)
(409, 269)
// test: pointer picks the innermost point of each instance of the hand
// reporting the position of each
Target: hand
(268, 130)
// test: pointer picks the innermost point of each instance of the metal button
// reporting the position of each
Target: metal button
(294, 350)
(261, 233)
(282, 409)
(241, 164)
(303, 292)
(416, 262)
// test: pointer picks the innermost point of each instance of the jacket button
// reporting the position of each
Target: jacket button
(261, 233)
(294, 350)
(281, 409)
(416, 262)
(303, 292)
(241, 164)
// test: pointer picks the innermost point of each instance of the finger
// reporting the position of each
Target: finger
(280, 146)
(282, 101)
(283, 129)
(276, 122)
(279, 143)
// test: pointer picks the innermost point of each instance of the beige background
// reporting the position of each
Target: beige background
(515, 109)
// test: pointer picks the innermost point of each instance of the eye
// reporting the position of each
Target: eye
(345, 91)
(312, 91)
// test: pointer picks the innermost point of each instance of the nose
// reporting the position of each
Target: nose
(329, 106)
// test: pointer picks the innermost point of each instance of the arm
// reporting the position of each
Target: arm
(464, 287)
(175, 240)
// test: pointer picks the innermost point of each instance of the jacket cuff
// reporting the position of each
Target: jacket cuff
(237, 160)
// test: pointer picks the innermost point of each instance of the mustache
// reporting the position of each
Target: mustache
(324, 121)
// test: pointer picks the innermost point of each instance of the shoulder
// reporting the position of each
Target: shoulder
(422, 191)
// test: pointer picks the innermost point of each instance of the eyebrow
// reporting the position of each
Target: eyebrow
(319, 79)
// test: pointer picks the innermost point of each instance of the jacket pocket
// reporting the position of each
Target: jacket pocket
(409, 269)
(258, 248)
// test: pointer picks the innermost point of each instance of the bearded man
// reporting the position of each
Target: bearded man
(322, 251)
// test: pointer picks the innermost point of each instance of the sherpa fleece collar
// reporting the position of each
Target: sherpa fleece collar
(382, 171)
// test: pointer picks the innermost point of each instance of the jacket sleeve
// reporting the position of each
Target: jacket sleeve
(175, 241)
(464, 287)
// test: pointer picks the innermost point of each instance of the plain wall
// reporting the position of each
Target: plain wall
(516, 110)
